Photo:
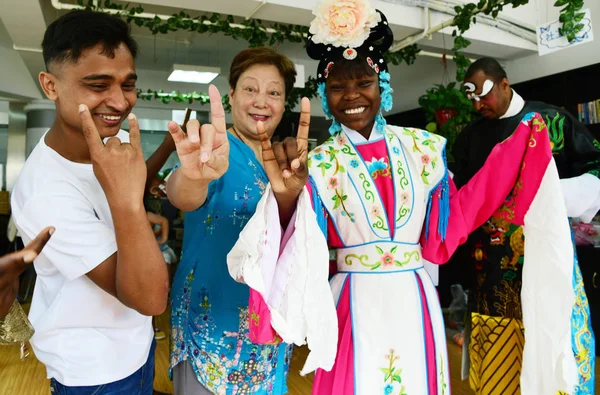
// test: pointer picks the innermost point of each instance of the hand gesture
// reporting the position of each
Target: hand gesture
(119, 167)
(285, 162)
(204, 151)
(12, 265)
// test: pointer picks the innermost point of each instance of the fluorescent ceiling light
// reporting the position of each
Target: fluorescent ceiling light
(194, 74)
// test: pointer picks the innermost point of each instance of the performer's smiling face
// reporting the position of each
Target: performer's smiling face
(490, 98)
(353, 95)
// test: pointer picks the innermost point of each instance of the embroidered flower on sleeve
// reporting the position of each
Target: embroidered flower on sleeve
(333, 182)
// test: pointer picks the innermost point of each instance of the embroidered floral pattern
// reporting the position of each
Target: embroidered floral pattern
(479, 255)
(379, 167)
(204, 321)
(242, 215)
(556, 132)
(442, 378)
(582, 336)
(333, 183)
(259, 180)
(377, 213)
(392, 376)
(507, 211)
(385, 259)
(240, 375)
(209, 329)
(211, 221)
(338, 200)
(403, 211)
(366, 184)
(424, 143)
(509, 299)
(348, 185)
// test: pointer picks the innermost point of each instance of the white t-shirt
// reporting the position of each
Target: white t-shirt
(83, 335)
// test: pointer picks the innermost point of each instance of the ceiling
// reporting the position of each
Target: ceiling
(24, 22)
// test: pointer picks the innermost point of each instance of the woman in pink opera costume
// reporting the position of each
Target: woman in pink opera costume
(380, 196)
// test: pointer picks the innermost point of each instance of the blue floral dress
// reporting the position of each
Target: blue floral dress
(209, 310)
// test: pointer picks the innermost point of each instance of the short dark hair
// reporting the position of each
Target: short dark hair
(253, 56)
(68, 36)
(489, 66)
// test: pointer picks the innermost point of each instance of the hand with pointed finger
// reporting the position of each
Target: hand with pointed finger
(204, 151)
(12, 265)
(119, 167)
(286, 163)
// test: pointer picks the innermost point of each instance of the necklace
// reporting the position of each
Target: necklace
(240, 136)
(257, 150)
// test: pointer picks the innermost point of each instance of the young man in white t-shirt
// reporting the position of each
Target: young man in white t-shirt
(102, 275)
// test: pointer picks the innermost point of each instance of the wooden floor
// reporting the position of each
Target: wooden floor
(29, 377)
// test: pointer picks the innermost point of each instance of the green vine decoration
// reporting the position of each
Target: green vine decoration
(402, 175)
(366, 185)
(570, 18)
(385, 259)
(309, 91)
(467, 14)
(178, 97)
(402, 212)
(252, 31)
(362, 259)
(407, 55)
(462, 62)
(380, 224)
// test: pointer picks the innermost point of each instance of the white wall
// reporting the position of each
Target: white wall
(410, 82)
(534, 66)
(17, 81)
(3, 113)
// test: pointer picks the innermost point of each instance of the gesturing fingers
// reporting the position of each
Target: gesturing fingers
(291, 151)
(303, 126)
(193, 131)
(176, 132)
(134, 133)
(206, 142)
(217, 113)
(281, 158)
(265, 142)
(91, 134)
(36, 245)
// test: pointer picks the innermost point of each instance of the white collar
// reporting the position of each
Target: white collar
(516, 105)
(358, 138)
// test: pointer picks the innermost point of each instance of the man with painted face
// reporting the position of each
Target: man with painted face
(497, 248)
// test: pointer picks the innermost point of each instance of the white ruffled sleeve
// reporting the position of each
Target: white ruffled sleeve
(292, 277)
(582, 196)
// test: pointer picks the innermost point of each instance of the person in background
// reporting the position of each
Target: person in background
(497, 248)
(13, 264)
(160, 228)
